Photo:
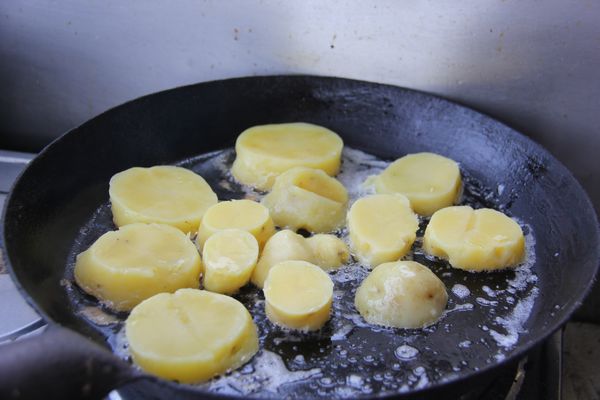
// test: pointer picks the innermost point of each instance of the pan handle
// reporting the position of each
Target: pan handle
(60, 364)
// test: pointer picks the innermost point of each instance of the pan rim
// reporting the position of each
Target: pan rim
(520, 348)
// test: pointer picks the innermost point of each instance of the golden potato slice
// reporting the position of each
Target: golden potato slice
(382, 228)
(264, 152)
(329, 251)
(164, 194)
(247, 215)
(285, 245)
(298, 295)
(428, 180)
(229, 258)
(124, 267)
(401, 294)
(190, 335)
(307, 198)
(474, 240)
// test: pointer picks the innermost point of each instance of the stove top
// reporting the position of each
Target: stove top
(537, 376)
(17, 318)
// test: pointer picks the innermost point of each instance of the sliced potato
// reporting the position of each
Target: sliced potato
(124, 267)
(283, 246)
(190, 335)
(247, 215)
(329, 251)
(309, 199)
(475, 240)
(382, 228)
(164, 194)
(428, 180)
(229, 258)
(298, 295)
(264, 152)
(401, 294)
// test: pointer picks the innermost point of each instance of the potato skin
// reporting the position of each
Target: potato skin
(401, 294)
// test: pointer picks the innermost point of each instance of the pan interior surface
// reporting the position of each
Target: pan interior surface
(349, 358)
(60, 205)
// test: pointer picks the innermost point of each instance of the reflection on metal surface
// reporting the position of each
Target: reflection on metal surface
(11, 165)
(33, 328)
(16, 316)
(114, 395)
(518, 381)
(13, 160)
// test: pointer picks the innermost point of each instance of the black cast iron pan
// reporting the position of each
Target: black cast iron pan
(59, 206)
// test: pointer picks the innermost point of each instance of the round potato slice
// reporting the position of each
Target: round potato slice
(309, 199)
(329, 251)
(298, 295)
(247, 215)
(382, 228)
(190, 335)
(285, 245)
(401, 294)
(124, 267)
(229, 258)
(264, 152)
(164, 194)
(474, 240)
(428, 180)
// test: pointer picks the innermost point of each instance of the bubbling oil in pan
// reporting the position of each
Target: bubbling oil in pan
(485, 315)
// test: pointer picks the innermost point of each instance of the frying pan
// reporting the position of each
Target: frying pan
(59, 205)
